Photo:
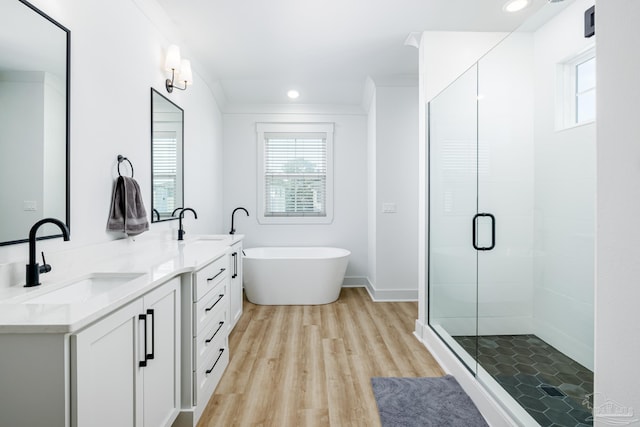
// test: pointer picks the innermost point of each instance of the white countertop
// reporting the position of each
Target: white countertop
(157, 261)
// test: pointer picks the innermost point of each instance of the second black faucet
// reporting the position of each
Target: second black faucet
(180, 230)
(233, 230)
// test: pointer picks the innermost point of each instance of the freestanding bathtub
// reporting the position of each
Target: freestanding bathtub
(294, 276)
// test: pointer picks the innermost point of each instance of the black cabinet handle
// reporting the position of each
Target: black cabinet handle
(493, 232)
(219, 273)
(214, 304)
(235, 265)
(216, 362)
(153, 334)
(215, 333)
(143, 363)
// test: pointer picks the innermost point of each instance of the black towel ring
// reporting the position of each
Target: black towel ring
(121, 158)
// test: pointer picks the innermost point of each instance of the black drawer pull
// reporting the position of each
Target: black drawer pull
(151, 314)
(215, 333)
(219, 273)
(235, 265)
(143, 363)
(208, 309)
(216, 362)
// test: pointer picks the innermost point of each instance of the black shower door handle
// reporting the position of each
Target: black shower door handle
(493, 232)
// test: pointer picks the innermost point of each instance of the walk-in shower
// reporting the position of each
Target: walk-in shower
(511, 217)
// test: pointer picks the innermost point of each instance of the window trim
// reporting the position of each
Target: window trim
(328, 130)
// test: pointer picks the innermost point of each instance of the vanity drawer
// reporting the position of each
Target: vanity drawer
(212, 337)
(209, 307)
(210, 276)
(208, 374)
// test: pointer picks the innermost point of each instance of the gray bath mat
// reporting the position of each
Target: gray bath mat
(424, 402)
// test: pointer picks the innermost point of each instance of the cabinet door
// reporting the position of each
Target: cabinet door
(162, 374)
(236, 283)
(106, 379)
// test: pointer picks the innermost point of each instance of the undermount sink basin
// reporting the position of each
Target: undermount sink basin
(84, 289)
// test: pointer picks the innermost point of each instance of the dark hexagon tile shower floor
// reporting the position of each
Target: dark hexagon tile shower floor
(524, 363)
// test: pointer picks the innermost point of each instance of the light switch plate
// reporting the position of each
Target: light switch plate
(389, 208)
(29, 205)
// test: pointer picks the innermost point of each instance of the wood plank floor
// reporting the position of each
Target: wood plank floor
(311, 366)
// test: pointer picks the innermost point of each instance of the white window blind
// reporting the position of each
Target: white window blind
(295, 176)
(165, 174)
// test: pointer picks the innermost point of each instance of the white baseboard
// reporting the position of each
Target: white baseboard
(355, 282)
(380, 295)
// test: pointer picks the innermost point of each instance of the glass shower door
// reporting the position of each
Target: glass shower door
(453, 169)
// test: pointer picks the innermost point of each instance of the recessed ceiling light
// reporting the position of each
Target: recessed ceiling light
(515, 5)
(293, 94)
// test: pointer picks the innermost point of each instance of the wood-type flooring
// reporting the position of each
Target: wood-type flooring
(311, 366)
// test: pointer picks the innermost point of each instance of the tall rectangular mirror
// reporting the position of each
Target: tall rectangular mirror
(167, 132)
(34, 121)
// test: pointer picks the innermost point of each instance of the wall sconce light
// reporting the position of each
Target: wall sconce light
(180, 69)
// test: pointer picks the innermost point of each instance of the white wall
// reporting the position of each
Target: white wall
(396, 183)
(21, 95)
(447, 54)
(54, 202)
(372, 203)
(617, 343)
(565, 187)
(349, 226)
(117, 54)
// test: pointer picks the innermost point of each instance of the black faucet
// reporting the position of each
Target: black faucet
(180, 230)
(33, 268)
(155, 211)
(233, 230)
(176, 210)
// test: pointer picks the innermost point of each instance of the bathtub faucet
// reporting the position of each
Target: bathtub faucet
(233, 230)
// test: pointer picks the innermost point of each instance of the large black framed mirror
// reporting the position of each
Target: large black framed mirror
(167, 164)
(34, 121)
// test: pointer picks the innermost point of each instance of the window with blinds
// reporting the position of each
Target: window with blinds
(295, 172)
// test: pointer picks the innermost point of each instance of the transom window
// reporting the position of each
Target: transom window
(579, 93)
(295, 176)
(585, 88)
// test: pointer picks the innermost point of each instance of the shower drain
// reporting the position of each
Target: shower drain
(552, 391)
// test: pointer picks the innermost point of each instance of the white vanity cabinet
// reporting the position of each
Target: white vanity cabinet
(127, 364)
(236, 299)
(205, 330)
(92, 376)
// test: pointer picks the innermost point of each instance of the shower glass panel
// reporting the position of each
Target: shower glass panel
(512, 222)
(453, 187)
(506, 186)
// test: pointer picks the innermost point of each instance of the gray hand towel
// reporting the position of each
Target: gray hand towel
(127, 209)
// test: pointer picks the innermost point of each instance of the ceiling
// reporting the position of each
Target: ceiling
(252, 51)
